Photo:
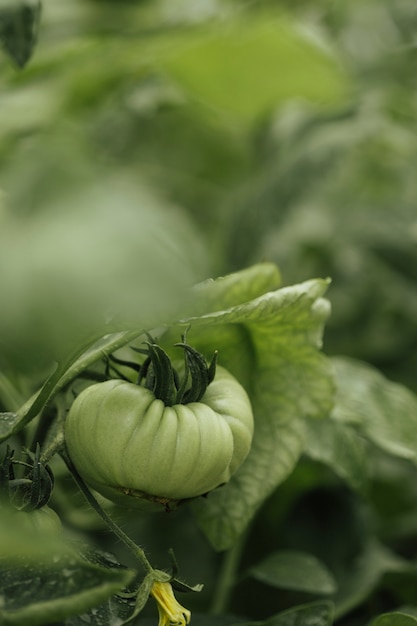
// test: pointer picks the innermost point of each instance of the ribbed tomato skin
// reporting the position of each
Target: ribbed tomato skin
(126, 443)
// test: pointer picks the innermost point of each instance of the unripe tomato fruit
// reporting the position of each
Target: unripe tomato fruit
(43, 520)
(130, 447)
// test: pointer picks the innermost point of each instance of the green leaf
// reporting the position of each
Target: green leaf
(113, 612)
(35, 595)
(362, 578)
(298, 571)
(245, 67)
(211, 620)
(383, 411)
(271, 344)
(408, 610)
(19, 25)
(44, 579)
(341, 448)
(226, 512)
(196, 620)
(313, 614)
(11, 396)
(394, 619)
(233, 289)
(64, 373)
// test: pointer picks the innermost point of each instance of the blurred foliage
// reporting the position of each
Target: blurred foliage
(283, 131)
(179, 139)
(115, 119)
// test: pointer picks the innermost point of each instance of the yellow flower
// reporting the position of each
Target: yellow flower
(171, 613)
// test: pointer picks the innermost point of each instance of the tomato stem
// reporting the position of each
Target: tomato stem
(133, 547)
(227, 576)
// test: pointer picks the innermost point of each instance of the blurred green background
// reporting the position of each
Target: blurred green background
(280, 131)
(149, 144)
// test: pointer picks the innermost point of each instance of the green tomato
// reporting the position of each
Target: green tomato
(43, 520)
(130, 447)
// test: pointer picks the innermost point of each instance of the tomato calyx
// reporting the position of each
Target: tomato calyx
(159, 376)
(26, 486)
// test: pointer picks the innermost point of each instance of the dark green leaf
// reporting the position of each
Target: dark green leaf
(44, 578)
(362, 578)
(294, 570)
(314, 614)
(19, 25)
(196, 620)
(53, 591)
(113, 612)
(210, 620)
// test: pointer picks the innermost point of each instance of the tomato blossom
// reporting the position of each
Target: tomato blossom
(171, 613)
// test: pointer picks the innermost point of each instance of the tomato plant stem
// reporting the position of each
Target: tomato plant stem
(133, 547)
(53, 446)
(54, 434)
(227, 576)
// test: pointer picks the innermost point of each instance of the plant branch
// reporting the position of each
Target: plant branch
(227, 576)
(133, 547)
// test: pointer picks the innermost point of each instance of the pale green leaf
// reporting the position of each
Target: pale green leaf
(383, 411)
(226, 512)
(408, 610)
(298, 571)
(394, 619)
(340, 447)
(246, 67)
(271, 344)
(228, 291)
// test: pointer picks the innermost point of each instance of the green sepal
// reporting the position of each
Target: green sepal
(177, 584)
(142, 596)
(160, 378)
(163, 380)
(181, 586)
(6, 475)
(198, 373)
(42, 482)
(33, 490)
(201, 375)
